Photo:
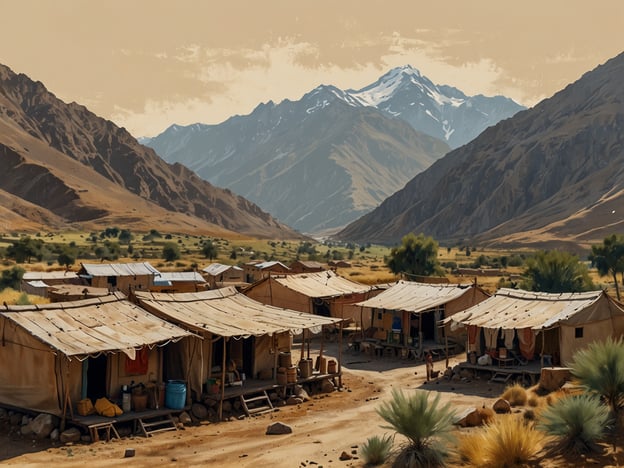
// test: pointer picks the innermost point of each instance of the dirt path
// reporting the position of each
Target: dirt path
(322, 428)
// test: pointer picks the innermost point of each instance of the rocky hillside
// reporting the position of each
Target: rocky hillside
(315, 164)
(62, 164)
(551, 175)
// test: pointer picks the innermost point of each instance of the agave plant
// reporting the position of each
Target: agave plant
(424, 422)
(579, 421)
(376, 450)
(600, 369)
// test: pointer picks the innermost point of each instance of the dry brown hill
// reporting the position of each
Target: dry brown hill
(64, 166)
(550, 176)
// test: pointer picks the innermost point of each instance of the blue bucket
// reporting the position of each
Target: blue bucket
(175, 394)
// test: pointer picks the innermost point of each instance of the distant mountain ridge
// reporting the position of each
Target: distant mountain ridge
(62, 164)
(322, 161)
(317, 163)
(437, 110)
(551, 175)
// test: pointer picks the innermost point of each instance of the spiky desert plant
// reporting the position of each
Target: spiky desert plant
(600, 369)
(515, 394)
(505, 443)
(578, 421)
(376, 450)
(424, 422)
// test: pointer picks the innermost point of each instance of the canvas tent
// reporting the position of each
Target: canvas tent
(408, 312)
(234, 327)
(56, 354)
(537, 323)
(322, 293)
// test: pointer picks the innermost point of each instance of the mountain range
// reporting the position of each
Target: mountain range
(63, 166)
(550, 176)
(323, 161)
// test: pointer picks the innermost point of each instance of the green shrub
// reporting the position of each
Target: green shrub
(579, 421)
(376, 450)
(424, 422)
(600, 369)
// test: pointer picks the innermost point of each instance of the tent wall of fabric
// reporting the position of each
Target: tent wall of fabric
(559, 324)
(43, 349)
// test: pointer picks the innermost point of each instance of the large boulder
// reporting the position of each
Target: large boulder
(502, 406)
(278, 428)
(70, 435)
(43, 425)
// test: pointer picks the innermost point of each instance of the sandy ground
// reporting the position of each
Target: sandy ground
(323, 428)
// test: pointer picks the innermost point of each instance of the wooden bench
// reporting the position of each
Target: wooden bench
(94, 430)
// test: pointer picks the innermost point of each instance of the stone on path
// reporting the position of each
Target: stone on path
(278, 428)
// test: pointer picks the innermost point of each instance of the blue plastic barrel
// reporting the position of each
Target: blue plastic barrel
(175, 394)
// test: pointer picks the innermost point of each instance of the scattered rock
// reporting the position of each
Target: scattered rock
(345, 456)
(54, 435)
(25, 420)
(129, 453)
(278, 428)
(301, 393)
(466, 374)
(43, 425)
(294, 400)
(502, 406)
(15, 418)
(70, 435)
(327, 386)
(185, 418)
(199, 411)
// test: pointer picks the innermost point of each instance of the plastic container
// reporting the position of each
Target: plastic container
(126, 402)
(175, 394)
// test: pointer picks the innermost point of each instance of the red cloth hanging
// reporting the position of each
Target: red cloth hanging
(140, 364)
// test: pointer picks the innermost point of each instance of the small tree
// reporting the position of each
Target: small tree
(554, 271)
(608, 258)
(415, 256)
(11, 278)
(66, 259)
(209, 250)
(171, 251)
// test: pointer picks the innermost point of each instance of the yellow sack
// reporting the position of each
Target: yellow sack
(104, 407)
(85, 407)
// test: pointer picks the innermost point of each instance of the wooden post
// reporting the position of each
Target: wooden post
(222, 380)
(303, 342)
(446, 343)
(420, 334)
(340, 356)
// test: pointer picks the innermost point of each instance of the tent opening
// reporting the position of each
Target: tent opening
(96, 377)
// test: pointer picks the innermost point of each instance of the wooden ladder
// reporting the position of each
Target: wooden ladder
(261, 399)
(501, 377)
(164, 423)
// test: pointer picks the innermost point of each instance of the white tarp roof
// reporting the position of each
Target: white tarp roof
(513, 309)
(320, 284)
(174, 276)
(92, 326)
(226, 312)
(37, 284)
(416, 297)
(215, 269)
(119, 269)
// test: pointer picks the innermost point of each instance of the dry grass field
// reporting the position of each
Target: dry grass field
(368, 263)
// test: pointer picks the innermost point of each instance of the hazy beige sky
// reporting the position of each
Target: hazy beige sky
(146, 64)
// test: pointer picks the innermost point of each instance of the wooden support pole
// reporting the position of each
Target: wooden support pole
(340, 356)
(222, 379)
